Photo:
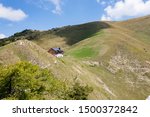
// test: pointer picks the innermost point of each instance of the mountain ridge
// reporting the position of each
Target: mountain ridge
(111, 57)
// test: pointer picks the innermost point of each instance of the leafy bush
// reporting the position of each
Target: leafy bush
(25, 81)
(78, 92)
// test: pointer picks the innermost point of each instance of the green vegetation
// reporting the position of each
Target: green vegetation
(77, 33)
(84, 52)
(69, 34)
(25, 81)
(78, 92)
(111, 57)
(25, 34)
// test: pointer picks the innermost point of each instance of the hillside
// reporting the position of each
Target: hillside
(24, 50)
(65, 36)
(139, 25)
(111, 57)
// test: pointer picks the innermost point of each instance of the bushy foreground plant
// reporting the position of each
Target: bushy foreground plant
(25, 81)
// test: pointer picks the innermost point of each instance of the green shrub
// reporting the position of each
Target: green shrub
(78, 92)
(25, 81)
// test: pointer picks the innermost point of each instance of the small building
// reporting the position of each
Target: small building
(56, 52)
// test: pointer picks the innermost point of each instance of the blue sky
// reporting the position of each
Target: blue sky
(17, 15)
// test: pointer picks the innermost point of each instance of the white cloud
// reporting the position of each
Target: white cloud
(11, 14)
(45, 4)
(2, 36)
(98, 1)
(105, 18)
(102, 2)
(57, 4)
(126, 8)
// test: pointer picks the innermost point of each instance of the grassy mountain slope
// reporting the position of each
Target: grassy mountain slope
(121, 62)
(140, 25)
(24, 50)
(109, 56)
(64, 36)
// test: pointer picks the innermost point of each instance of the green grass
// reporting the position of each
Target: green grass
(106, 44)
(84, 52)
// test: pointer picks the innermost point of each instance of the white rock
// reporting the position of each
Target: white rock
(148, 98)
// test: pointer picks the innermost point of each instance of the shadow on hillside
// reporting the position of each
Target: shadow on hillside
(72, 34)
(77, 33)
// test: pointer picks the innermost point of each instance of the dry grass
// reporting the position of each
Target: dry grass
(116, 66)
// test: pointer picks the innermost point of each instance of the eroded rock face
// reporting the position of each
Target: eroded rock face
(122, 62)
(132, 71)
